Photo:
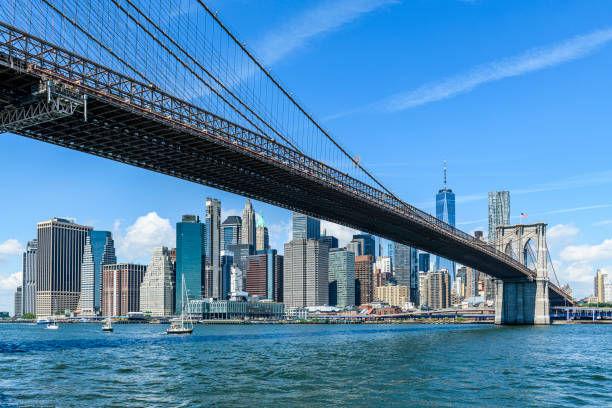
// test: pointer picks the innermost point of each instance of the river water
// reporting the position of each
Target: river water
(306, 366)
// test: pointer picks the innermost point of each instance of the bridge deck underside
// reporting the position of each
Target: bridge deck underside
(121, 134)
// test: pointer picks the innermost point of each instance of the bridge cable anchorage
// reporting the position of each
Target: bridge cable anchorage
(202, 68)
(288, 95)
(81, 29)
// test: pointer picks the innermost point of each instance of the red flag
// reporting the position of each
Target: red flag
(523, 215)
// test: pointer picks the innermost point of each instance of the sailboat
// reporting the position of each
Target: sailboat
(177, 326)
(108, 327)
(52, 324)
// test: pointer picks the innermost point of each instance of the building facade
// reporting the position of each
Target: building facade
(214, 278)
(157, 289)
(331, 241)
(599, 286)
(438, 289)
(241, 251)
(394, 295)
(406, 268)
(231, 231)
(229, 309)
(227, 260)
(305, 273)
(262, 238)
(190, 259)
(499, 212)
(18, 310)
(58, 265)
(366, 244)
(341, 276)
(29, 278)
(99, 250)
(257, 274)
(248, 225)
(305, 227)
(121, 288)
(424, 261)
(364, 279)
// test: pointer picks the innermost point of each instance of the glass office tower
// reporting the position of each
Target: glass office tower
(445, 211)
(190, 259)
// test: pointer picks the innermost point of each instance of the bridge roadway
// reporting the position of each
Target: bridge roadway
(119, 118)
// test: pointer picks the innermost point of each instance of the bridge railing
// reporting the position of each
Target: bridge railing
(52, 62)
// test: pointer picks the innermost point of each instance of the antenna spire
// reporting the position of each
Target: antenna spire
(445, 174)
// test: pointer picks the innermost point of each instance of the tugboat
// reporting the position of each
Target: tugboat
(177, 326)
(108, 327)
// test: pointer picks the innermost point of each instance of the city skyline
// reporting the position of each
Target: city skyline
(569, 198)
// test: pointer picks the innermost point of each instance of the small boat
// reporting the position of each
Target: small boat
(108, 327)
(52, 325)
(43, 320)
(177, 326)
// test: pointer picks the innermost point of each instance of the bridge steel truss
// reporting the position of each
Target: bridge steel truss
(128, 121)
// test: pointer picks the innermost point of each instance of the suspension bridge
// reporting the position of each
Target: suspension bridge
(166, 86)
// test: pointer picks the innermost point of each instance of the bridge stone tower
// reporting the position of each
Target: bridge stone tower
(523, 301)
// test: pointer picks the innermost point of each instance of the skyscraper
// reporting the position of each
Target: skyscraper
(364, 279)
(241, 251)
(214, 288)
(305, 227)
(99, 250)
(121, 288)
(29, 278)
(58, 265)
(227, 260)
(445, 211)
(190, 259)
(305, 273)
(230, 230)
(262, 274)
(424, 262)
(499, 212)
(402, 263)
(256, 274)
(341, 277)
(18, 302)
(437, 288)
(599, 287)
(248, 224)
(366, 244)
(262, 239)
(331, 241)
(157, 290)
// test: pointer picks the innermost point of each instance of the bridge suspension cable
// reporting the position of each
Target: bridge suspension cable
(288, 95)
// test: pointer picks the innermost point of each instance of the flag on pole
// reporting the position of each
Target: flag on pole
(523, 215)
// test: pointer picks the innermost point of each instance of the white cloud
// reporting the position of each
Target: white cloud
(532, 60)
(279, 234)
(561, 234)
(10, 247)
(344, 234)
(574, 209)
(296, 32)
(149, 231)
(583, 253)
(229, 212)
(575, 273)
(603, 222)
(10, 282)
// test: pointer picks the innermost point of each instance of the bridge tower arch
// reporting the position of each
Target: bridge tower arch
(523, 301)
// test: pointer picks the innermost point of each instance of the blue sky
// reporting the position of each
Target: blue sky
(513, 95)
